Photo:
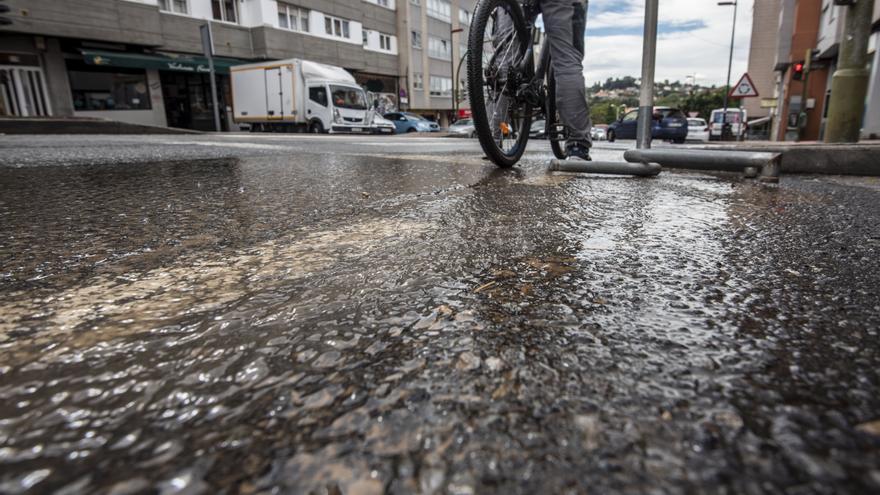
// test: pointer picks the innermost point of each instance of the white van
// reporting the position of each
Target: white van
(299, 95)
(736, 117)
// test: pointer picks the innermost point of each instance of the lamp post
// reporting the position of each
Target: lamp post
(725, 129)
(453, 72)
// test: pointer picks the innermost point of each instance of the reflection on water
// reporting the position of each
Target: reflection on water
(369, 326)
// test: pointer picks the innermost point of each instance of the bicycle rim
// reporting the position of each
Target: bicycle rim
(498, 36)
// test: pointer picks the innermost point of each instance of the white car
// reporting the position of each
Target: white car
(698, 130)
(598, 134)
(381, 125)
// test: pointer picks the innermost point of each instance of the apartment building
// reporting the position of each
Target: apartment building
(141, 61)
(765, 16)
(811, 31)
(431, 62)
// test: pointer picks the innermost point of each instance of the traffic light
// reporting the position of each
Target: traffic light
(797, 73)
(4, 21)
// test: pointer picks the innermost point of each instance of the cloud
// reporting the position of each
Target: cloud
(694, 37)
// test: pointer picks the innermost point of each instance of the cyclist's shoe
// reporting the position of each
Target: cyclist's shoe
(578, 150)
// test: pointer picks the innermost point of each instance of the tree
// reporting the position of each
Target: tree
(705, 101)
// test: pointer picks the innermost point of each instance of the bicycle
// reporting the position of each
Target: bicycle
(506, 89)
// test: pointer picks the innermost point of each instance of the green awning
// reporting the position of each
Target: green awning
(178, 63)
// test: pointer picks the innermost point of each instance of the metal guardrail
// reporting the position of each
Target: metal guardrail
(748, 162)
(649, 162)
(600, 167)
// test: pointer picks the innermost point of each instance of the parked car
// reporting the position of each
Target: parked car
(538, 130)
(736, 117)
(463, 128)
(668, 124)
(381, 125)
(698, 130)
(409, 122)
(597, 133)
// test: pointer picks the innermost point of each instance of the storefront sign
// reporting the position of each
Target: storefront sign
(189, 64)
(188, 67)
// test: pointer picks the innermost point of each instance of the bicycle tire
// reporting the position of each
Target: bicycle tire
(552, 117)
(480, 113)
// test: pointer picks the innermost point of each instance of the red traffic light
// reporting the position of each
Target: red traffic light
(797, 71)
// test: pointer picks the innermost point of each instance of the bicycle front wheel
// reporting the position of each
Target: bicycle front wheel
(497, 41)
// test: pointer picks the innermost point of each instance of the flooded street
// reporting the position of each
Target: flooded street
(281, 314)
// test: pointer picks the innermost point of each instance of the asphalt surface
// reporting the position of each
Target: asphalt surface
(287, 314)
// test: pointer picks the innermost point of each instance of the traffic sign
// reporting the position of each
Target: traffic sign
(745, 88)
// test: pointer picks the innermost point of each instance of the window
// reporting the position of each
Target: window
(385, 42)
(418, 82)
(177, 6)
(318, 95)
(464, 17)
(337, 28)
(440, 9)
(384, 3)
(441, 86)
(224, 10)
(104, 88)
(439, 48)
(351, 98)
(415, 2)
(293, 17)
(416, 39)
(365, 37)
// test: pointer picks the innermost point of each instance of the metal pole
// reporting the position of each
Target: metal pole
(454, 74)
(725, 131)
(458, 71)
(208, 48)
(646, 92)
(601, 167)
(849, 85)
(725, 160)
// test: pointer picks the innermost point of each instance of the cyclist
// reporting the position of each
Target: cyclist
(564, 24)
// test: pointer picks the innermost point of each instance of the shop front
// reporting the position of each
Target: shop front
(382, 90)
(155, 89)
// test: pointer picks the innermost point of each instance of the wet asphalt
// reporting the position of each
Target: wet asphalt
(285, 314)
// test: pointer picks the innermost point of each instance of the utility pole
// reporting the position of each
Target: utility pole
(454, 72)
(208, 49)
(646, 91)
(849, 85)
(725, 128)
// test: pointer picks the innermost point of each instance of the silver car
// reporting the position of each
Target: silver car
(381, 125)
(463, 128)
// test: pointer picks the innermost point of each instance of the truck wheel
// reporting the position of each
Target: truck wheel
(316, 127)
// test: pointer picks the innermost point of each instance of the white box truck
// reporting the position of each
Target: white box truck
(298, 95)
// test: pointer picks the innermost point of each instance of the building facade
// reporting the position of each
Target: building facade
(809, 37)
(141, 61)
(431, 55)
(765, 17)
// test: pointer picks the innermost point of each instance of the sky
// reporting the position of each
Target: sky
(694, 38)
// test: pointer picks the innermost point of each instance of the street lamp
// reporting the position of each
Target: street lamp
(453, 72)
(725, 130)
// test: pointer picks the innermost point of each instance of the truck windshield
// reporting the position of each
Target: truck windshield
(344, 97)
